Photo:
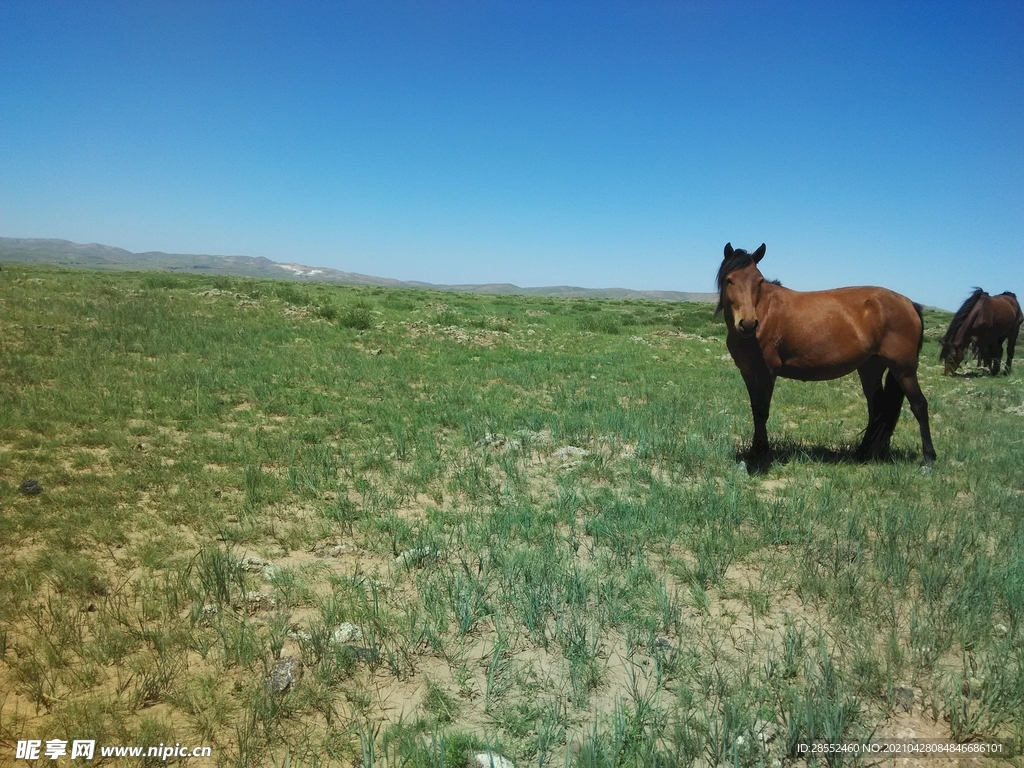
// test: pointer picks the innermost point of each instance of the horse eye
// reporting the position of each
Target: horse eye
(728, 281)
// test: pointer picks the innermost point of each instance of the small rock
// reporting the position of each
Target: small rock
(31, 487)
(500, 441)
(904, 699)
(1001, 630)
(971, 687)
(543, 437)
(765, 732)
(331, 548)
(284, 672)
(257, 601)
(570, 452)
(488, 760)
(299, 635)
(251, 563)
(412, 556)
(570, 455)
(490, 438)
(347, 632)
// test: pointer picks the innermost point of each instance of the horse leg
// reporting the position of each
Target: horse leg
(997, 357)
(1011, 344)
(760, 388)
(871, 381)
(906, 379)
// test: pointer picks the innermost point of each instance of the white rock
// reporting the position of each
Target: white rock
(347, 632)
(488, 760)
(567, 452)
(412, 556)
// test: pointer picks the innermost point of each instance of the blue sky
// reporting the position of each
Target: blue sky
(538, 143)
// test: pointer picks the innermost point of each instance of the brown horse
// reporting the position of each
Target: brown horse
(983, 322)
(819, 335)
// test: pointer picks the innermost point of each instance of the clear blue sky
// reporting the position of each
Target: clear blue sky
(539, 143)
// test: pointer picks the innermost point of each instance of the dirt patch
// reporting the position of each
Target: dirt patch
(771, 490)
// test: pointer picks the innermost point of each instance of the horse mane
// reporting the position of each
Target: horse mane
(776, 281)
(958, 321)
(738, 260)
(1011, 294)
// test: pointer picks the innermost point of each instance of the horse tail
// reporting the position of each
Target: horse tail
(888, 405)
(920, 316)
(958, 321)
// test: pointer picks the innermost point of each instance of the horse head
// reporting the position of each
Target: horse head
(953, 357)
(959, 334)
(739, 289)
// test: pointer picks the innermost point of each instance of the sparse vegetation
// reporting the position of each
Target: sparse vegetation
(480, 523)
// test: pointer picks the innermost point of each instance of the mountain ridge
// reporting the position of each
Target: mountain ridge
(107, 257)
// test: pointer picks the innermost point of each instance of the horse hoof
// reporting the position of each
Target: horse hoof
(741, 467)
(927, 469)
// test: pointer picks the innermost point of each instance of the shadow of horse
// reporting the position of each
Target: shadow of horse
(979, 373)
(786, 451)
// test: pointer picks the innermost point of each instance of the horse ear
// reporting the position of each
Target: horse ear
(759, 253)
(728, 250)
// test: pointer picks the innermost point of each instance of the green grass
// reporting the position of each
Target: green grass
(480, 522)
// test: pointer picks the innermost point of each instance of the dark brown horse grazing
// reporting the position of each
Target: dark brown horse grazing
(819, 335)
(983, 322)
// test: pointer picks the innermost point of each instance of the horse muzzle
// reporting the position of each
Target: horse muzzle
(747, 329)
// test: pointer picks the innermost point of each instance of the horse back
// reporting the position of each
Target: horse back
(1005, 313)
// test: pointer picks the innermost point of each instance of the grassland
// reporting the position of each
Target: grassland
(480, 522)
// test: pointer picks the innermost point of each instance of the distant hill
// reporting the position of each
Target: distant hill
(96, 256)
